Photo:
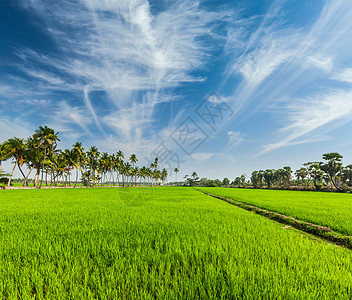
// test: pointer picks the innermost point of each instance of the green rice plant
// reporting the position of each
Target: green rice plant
(333, 210)
(178, 244)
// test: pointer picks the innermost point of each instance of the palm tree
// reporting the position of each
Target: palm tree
(133, 160)
(149, 174)
(104, 165)
(4, 155)
(33, 157)
(156, 175)
(163, 175)
(78, 152)
(15, 148)
(142, 174)
(154, 165)
(46, 137)
(93, 155)
(176, 171)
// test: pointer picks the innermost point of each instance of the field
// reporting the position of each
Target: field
(333, 210)
(160, 243)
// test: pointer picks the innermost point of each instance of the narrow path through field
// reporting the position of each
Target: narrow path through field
(314, 229)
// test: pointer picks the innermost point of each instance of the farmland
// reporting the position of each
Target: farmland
(333, 210)
(157, 243)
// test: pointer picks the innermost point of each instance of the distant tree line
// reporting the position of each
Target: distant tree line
(39, 153)
(329, 175)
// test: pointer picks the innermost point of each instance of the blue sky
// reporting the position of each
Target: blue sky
(132, 75)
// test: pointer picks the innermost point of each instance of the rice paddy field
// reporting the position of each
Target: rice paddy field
(333, 210)
(157, 243)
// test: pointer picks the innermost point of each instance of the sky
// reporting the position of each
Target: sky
(222, 88)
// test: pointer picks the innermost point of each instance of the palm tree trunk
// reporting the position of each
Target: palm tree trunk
(36, 178)
(41, 181)
(18, 165)
(13, 170)
(25, 180)
(76, 178)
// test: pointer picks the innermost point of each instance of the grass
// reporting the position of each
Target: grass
(157, 243)
(333, 210)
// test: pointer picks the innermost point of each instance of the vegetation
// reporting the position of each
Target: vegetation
(332, 210)
(39, 153)
(181, 244)
(330, 174)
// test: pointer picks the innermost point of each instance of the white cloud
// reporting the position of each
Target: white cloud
(14, 128)
(308, 115)
(344, 76)
(324, 63)
(123, 49)
(281, 63)
(234, 137)
(65, 117)
(202, 156)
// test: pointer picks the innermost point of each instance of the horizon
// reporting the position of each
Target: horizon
(263, 84)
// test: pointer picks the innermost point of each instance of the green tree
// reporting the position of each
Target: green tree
(237, 181)
(163, 175)
(15, 148)
(301, 174)
(79, 157)
(46, 137)
(255, 179)
(176, 171)
(287, 171)
(269, 177)
(93, 156)
(225, 182)
(333, 166)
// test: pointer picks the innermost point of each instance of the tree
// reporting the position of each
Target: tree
(243, 179)
(237, 181)
(192, 181)
(301, 174)
(333, 166)
(79, 156)
(317, 174)
(287, 171)
(255, 179)
(4, 155)
(268, 177)
(92, 155)
(3, 176)
(46, 137)
(347, 175)
(133, 160)
(225, 182)
(163, 174)
(176, 171)
(15, 148)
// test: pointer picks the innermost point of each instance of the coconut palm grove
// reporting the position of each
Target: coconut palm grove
(175, 149)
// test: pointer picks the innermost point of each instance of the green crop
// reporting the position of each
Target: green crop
(333, 210)
(161, 243)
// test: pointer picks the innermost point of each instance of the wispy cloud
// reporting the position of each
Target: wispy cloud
(202, 156)
(310, 114)
(122, 49)
(282, 60)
